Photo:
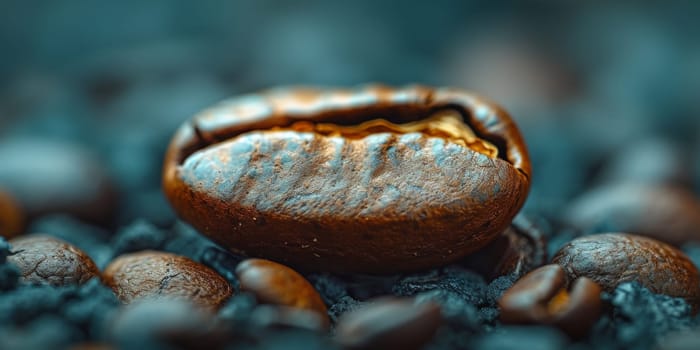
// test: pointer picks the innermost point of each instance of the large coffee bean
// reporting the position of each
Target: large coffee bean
(150, 274)
(47, 260)
(613, 258)
(371, 180)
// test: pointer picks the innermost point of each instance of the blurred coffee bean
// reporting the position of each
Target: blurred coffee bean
(275, 316)
(492, 62)
(56, 177)
(12, 219)
(614, 258)
(48, 260)
(541, 297)
(158, 274)
(519, 249)
(151, 323)
(668, 214)
(651, 162)
(274, 283)
(389, 323)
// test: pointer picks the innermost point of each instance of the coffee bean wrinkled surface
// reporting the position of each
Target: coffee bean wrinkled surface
(614, 258)
(151, 274)
(374, 179)
(46, 260)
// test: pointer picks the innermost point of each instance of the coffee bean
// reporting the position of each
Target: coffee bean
(12, 219)
(350, 180)
(519, 249)
(158, 274)
(669, 214)
(56, 177)
(654, 161)
(541, 297)
(47, 260)
(613, 258)
(149, 323)
(389, 324)
(269, 316)
(274, 283)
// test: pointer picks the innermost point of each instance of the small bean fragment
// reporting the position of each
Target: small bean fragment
(541, 297)
(274, 283)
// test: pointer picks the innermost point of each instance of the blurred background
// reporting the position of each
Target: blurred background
(602, 92)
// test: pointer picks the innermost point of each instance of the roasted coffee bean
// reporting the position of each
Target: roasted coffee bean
(274, 283)
(541, 297)
(150, 323)
(350, 180)
(652, 162)
(158, 274)
(12, 219)
(519, 249)
(389, 324)
(55, 177)
(613, 258)
(48, 260)
(669, 214)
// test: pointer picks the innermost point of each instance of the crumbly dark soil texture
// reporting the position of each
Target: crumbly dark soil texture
(39, 316)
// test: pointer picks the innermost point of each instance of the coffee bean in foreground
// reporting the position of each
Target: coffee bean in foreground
(274, 283)
(546, 296)
(389, 323)
(151, 274)
(614, 258)
(47, 260)
(373, 180)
